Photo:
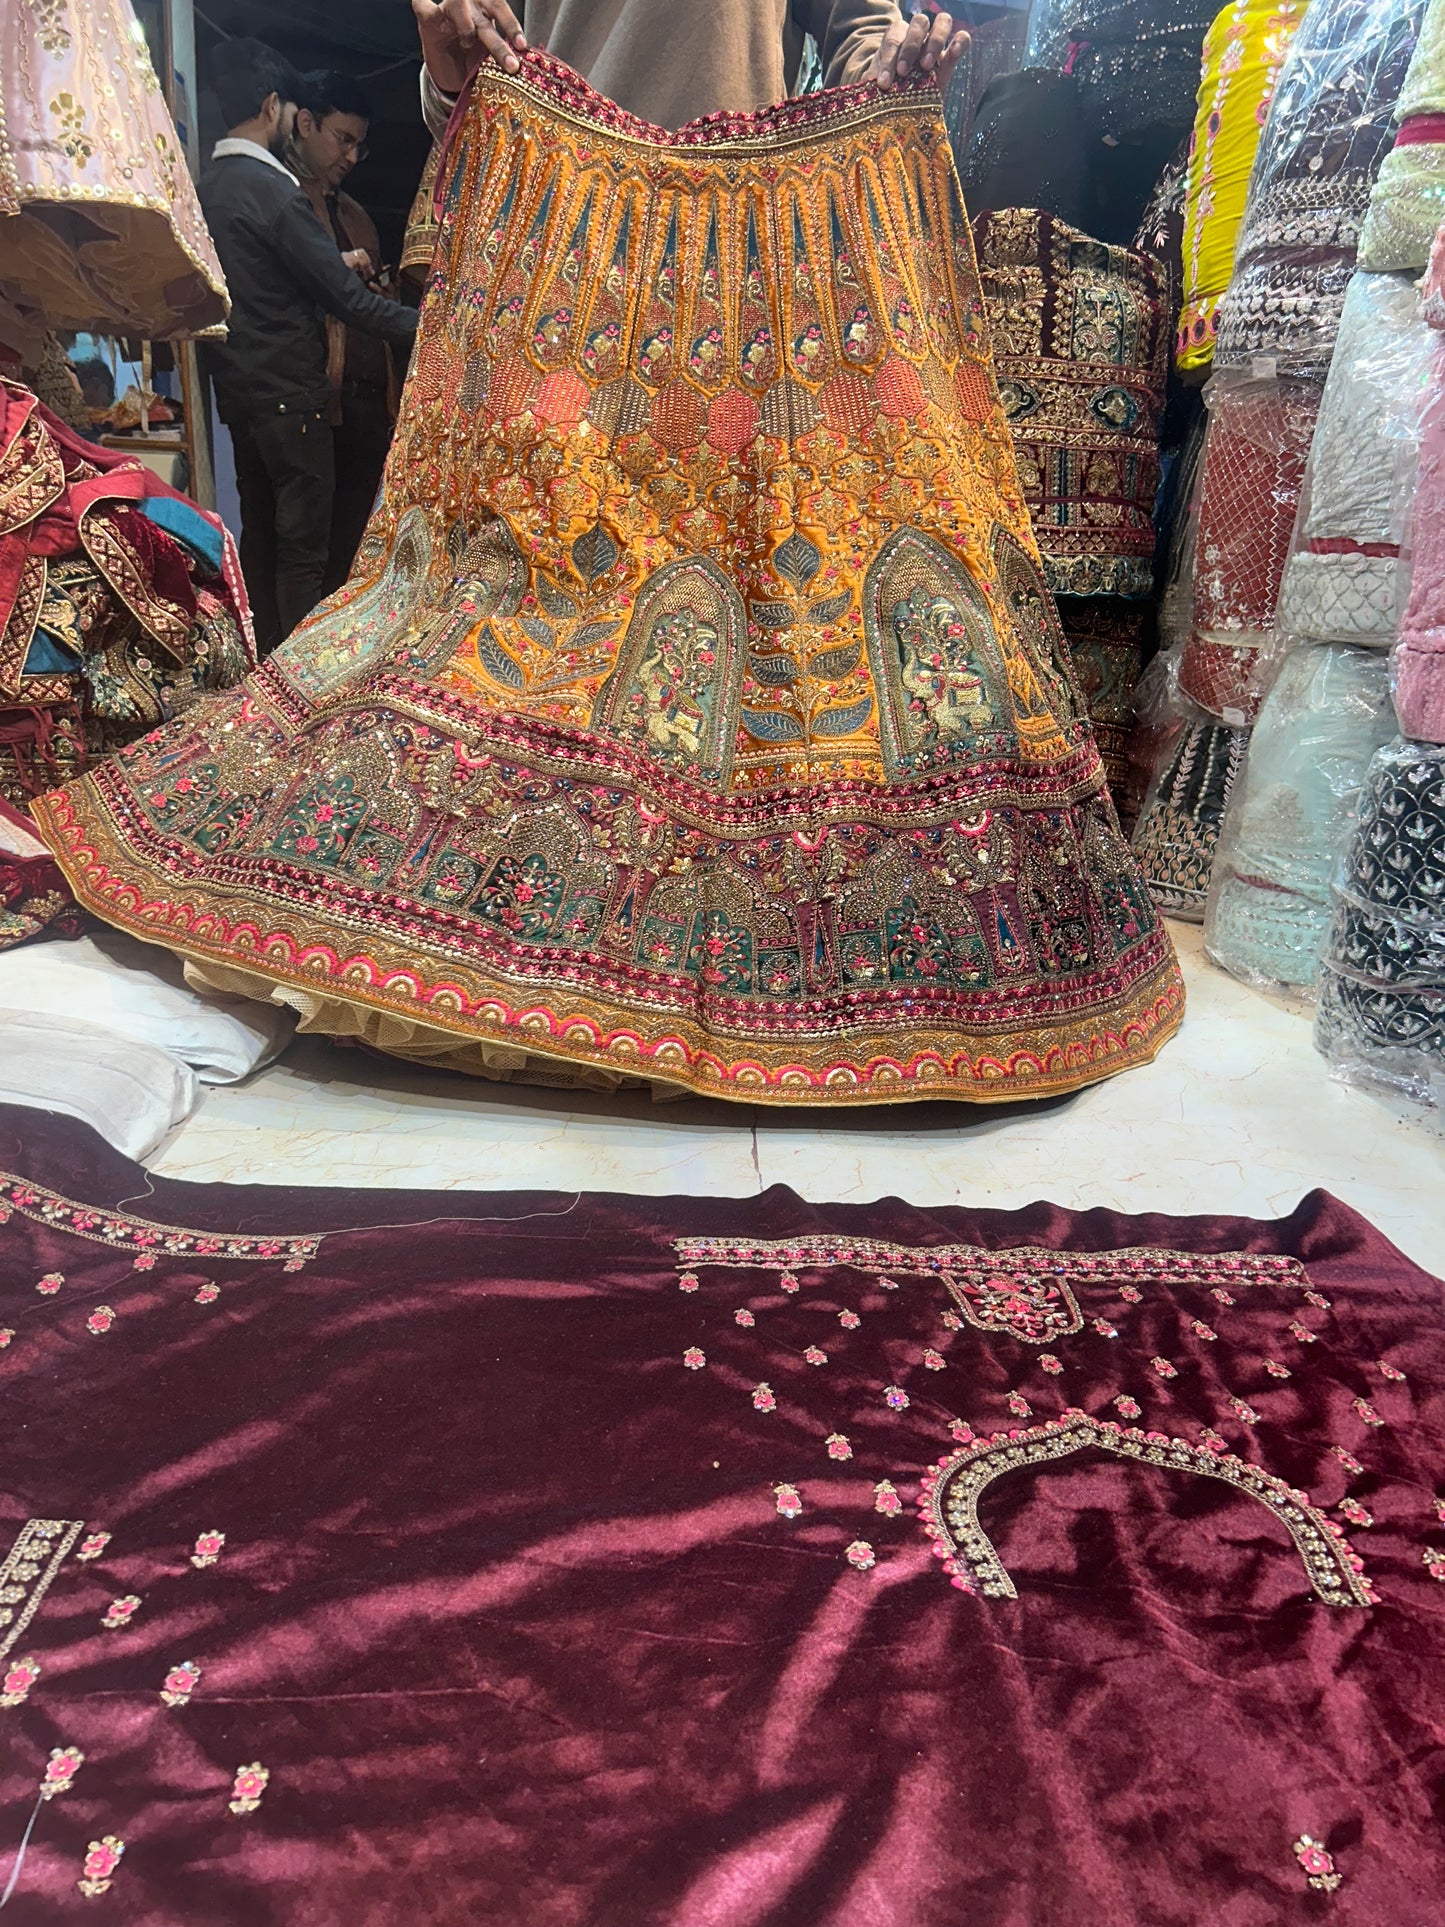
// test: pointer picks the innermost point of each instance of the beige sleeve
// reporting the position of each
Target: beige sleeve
(848, 33)
(436, 107)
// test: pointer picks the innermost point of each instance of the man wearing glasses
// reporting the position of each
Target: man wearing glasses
(333, 116)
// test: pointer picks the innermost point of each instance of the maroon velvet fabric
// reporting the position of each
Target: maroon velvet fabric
(508, 1610)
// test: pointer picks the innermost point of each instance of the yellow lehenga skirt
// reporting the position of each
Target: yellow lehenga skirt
(696, 711)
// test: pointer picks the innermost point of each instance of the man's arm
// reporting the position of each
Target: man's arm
(868, 39)
(311, 256)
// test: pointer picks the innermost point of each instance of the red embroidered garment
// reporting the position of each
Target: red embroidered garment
(600, 1561)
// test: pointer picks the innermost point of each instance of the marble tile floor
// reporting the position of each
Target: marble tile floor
(1238, 1114)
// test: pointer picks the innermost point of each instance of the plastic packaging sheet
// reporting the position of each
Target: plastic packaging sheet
(1344, 581)
(1330, 125)
(1178, 827)
(1138, 60)
(1381, 1015)
(1294, 802)
(1254, 462)
(1419, 661)
(1408, 202)
(1243, 52)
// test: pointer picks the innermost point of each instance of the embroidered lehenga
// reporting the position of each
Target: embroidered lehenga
(696, 711)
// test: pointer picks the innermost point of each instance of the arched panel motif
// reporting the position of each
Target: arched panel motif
(937, 665)
(952, 1489)
(677, 686)
(489, 579)
(350, 632)
(1037, 631)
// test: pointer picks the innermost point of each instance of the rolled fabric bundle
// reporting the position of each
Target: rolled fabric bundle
(1327, 712)
(1408, 201)
(1243, 52)
(1343, 581)
(1081, 350)
(1381, 1016)
(1418, 664)
(1254, 462)
(1178, 828)
(1330, 125)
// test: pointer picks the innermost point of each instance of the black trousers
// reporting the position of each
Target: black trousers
(286, 479)
(361, 443)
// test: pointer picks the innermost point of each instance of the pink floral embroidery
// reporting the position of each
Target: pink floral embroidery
(860, 1555)
(1019, 1405)
(7, 1334)
(209, 1546)
(52, 1282)
(1435, 1563)
(744, 1317)
(694, 1358)
(1302, 1332)
(787, 1282)
(1245, 1413)
(959, 1429)
(1127, 1407)
(1224, 1297)
(1275, 1369)
(1131, 1294)
(1318, 1300)
(101, 1861)
(849, 1320)
(208, 1294)
(1048, 1363)
(838, 1446)
(1392, 1372)
(933, 1361)
(952, 1320)
(146, 1261)
(1439, 1507)
(1212, 1440)
(1201, 1330)
(763, 1399)
(1105, 1329)
(1316, 1863)
(688, 1281)
(60, 1771)
(120, 1612)
(250, 1783)
(16, 1683)
(100, 1320)
(93, 1545)
(1163, 1368)
(815, 1355)
(1357, 1514)
(1367, 1412)
(180, 1682)
(895, 1398)
(1347, 1460)
(886, 1499)
(887, 1284)
(790, 1503)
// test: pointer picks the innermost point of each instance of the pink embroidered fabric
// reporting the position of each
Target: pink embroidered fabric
(1419, 660)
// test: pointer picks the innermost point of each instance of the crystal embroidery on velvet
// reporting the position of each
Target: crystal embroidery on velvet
(951, 1492)
(28, 1570)
(139, 1236)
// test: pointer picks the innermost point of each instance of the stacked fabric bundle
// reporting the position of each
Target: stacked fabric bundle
(1329, 125)
(120, 600)
(1408, 203)
(1081, 347)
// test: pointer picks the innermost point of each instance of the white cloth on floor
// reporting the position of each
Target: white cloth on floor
(131, 1093)
(138, 994)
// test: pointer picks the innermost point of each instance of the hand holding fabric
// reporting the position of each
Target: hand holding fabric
(457, 35)
(926, 42)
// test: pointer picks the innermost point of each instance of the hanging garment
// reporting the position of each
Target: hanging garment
(1029, 148)
(1330, 124)
(120, 600)
(1382, 980)
(1407, 203)
(1418, 663)
(1327, 712)
(1343, 580)
(1081, 351)
(100, 227)
(1137, 61)
(1243, 52)
(1178, 827)
(697, 710)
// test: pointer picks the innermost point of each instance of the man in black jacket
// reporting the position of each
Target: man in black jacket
(285, 275)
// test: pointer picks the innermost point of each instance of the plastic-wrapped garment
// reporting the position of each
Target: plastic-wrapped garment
(1178, 828)
(1343, 581)
(1330, 126)
(1419, 662)
(1106, 641)
(1081, 350)
(1254, 463)
(1243, 52)
(1029, 148)
(1382, 978)
(1327, 712)
(1408, 202)
(1137, 61)
(1160, 233)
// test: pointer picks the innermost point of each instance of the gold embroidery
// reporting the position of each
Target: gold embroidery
(29, 1568)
